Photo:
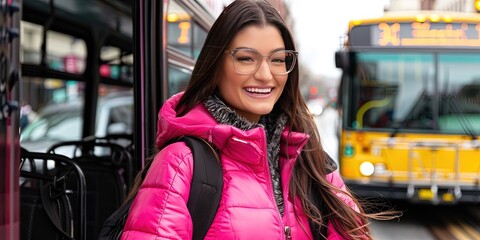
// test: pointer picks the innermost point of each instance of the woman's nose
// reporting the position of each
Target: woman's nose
(263, 72)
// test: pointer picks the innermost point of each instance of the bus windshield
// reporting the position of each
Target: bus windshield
(426, 91)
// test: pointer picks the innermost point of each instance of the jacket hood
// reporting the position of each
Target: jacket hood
(198, 122)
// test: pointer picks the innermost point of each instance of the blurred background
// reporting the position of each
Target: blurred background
(401, 119)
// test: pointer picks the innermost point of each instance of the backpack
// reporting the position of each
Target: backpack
(52, 197)
(205, 193)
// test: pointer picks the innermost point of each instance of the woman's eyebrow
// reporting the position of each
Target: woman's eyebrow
(253, 49)
(246, 48)
(277, 49)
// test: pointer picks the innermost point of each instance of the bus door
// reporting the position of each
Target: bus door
(9, 119)
(168, 37)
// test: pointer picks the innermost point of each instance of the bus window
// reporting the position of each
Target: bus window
(393, 88)
(183, 33)
(116, 65)
(179, 28)
(57, 103)
(63, 52)
(114, 110)
(30, 42)
(199, 36)
(177, 79)
(55, 122)
(115, 92)
(50, 101)
(459, 86)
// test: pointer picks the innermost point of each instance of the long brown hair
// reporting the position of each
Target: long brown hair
(310, 168)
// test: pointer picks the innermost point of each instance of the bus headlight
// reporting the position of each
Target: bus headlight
(367, 169)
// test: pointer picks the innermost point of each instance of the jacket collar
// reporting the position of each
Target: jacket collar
(249, 144)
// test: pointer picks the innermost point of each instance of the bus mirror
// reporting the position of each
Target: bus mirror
(341, 60)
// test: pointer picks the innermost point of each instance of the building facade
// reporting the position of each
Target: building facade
(440, 5)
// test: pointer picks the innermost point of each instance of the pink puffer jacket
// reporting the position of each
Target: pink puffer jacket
(247, 208)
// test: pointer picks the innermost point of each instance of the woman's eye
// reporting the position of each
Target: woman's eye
(278, 60)
(245, 59)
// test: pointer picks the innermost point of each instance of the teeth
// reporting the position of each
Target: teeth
(259, 90)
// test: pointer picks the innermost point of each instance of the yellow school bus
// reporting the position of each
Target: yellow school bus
(409, 103)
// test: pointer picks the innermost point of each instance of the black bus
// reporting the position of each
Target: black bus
(81, 85)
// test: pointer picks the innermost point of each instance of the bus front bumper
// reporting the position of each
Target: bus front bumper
(416, 193)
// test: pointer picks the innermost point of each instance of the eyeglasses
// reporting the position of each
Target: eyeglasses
(247, 61)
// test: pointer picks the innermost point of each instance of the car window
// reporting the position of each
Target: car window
(63, 122)
(68, 129)
(121, 119)
(59, 126)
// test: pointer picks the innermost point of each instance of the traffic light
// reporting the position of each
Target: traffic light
(477, 6)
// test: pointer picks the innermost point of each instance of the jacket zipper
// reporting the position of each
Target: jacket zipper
(287, 232)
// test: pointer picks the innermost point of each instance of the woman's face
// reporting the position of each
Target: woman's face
(252, 93)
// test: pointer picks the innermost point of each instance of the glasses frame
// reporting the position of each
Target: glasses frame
(233, 51)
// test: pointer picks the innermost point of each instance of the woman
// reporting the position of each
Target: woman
(244, 99)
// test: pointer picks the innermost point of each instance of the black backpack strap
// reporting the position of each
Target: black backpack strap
(52, 208)
(206, 188)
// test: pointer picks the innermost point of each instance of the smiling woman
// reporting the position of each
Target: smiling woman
(244, 98)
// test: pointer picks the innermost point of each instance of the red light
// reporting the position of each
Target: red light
(105, 70)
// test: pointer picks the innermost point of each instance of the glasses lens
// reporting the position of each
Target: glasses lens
(282, 62)
(246, 61)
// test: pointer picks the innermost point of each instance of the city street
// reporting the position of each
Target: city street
(327, 124)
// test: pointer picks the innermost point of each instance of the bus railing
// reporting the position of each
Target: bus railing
(431, 191)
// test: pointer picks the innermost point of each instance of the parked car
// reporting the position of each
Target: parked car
(63, 122)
